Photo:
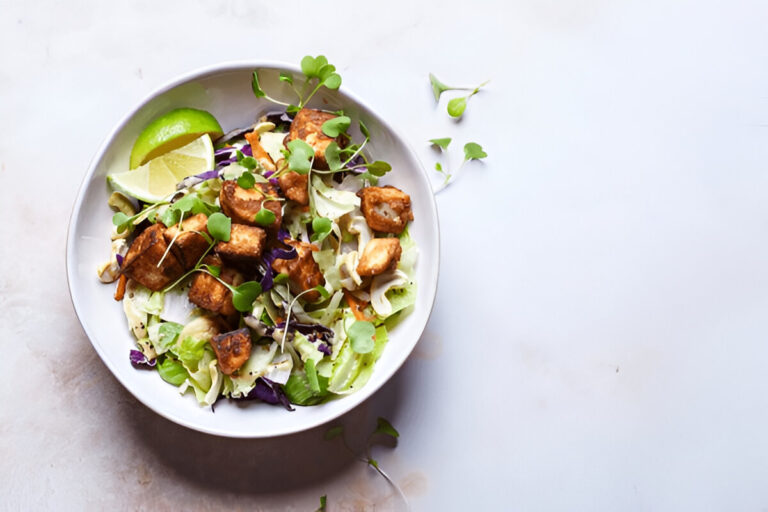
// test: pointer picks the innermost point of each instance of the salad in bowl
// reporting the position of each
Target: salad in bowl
(265, 264)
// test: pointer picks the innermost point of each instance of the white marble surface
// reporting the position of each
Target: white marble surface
(598, 340)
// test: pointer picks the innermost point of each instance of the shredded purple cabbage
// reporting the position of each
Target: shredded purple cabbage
(324, 348)
(139, 360)
(224, 151)
(119, 258)
(269, 392)
(190, 181)
(247, 150)
(274, 181)
(267, 282)
(267, 174)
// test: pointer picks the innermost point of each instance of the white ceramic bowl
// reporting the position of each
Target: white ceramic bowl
(225, 91)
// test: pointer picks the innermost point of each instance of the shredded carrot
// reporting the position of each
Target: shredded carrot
(120, 291)
(356, 306)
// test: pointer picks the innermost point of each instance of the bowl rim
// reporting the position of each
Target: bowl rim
(353, 400)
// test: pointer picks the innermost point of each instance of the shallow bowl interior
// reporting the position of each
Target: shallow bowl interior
(225, 91)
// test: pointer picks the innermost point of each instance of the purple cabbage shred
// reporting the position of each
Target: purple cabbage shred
(267, 282)
(119, 258)
(269, 392)
(139, 360)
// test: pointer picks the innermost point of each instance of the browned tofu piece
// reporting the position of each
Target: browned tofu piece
(294, 187)
(386, 209)
(232, 349)
(308, 126)
(379, 255)
(189, 246)
(242, 205)
(245, 245)
(259, 153)
(208, 293)
(146, 251)
(303, 271)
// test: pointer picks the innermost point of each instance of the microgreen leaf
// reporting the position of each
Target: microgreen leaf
(457, 106)
(321, 227)
(361, 335)
(332, 81)
(246, 180)
(438, 87)
(219, 226)
(265, 217)
(255, 85)
(300, 156)
(333, 156)
(170, 217)
(122, 221)
(378, 168)
(322, 291)
(473, 151)
(333, 432)
(336, 126)
(309, 368)
(386, 428)
(322, 504)
(364, 129)
(369, 177)
(442, 143)
(286, 77)
(281, 278)
(292, 109)
(244, 295)
(187, 203)
(312, 66)
(215, 270)
(249, 163)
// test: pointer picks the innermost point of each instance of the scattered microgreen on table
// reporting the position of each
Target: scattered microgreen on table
(456, 106)
(472, 151)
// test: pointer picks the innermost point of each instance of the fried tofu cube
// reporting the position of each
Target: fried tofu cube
(259, 153)
(245, 245)
(386, 209)
(294, 187)
(146, 251)
(208, 293)
(308, 126)
(242, 205)
(189, 245)
(303, 271)
(232, 349)
(379, 255)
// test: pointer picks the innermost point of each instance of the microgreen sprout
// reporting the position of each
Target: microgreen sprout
(300, 156)
(441, 143)
(323, 500)
(472, 151)
(336, 126)
(246, 180)
(322, 228)
(456, 106)
(265, 217)
(316, 70)
(219, 226)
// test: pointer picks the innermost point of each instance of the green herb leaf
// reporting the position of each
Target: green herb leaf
(309, 367)
(361, 335)
(280, 278)
(473, 151)
(457, 106)
(333, 156)
(246, 180)
(244, 295)
(364, 129)
(249, 163)
(265, 217)
(438, 87)
(215, 270)
(122, 221)
(378, 168)
(219, 226)
(312, 66)
(300, 156)
(286, 77)
(292, 109)
(336, 126)
(442, 143)
(386, 428)
(170, 217)
(321, 227)
(255, 85)
(332, 81)
(333, 432)
(373, 180)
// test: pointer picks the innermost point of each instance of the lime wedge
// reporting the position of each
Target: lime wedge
(170, 131)
(157, 179)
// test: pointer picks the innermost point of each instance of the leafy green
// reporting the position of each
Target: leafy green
(332, 156)
(122, 221)
(257, 91)
(215, 270)
(249, 163)
(300, 155)
(361, 335)
(385, 427)
(281, 278)
(333, 432)
(190, 351)
(246, 180)
(457, 106)
(336, 126)
(168, 333)
(321, 228)
(299, 392)
(244, 295)
(323, 500)
(172, 371)
(265, 217)
(309, 368)
(219, 226)
(364, 129)
(438, 87)
(442, 143)
(473, 151)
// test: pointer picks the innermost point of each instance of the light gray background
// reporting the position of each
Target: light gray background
(598, 340)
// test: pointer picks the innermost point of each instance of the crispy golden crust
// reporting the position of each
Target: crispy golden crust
(379, 255)
(303, 272)
(189, 246)
(386, 209)
(259, 153)
(245, 245)
(232, 349)
(140, 263)
(307, 126)
(294, 187)
(208, 293)
(242, 205)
